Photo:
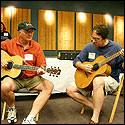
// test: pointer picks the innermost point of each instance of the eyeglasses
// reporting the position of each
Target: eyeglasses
(93, 38)
(28, 32)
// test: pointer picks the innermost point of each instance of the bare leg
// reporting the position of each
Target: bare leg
(77, 96)
(98, 97)
(43, 97)
(7, 91)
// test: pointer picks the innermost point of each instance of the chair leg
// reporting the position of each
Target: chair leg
(37, 117)
(4, 110)
(82, 110)
(116, 101)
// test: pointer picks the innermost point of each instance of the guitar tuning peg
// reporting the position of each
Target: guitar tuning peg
(49, 74)
(53, 75)
(56, 76)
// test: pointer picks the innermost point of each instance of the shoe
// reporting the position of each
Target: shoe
(31, 121)
(11, 117)
(92, 122)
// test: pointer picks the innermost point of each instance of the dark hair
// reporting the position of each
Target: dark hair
(101, 30)
(4, 28)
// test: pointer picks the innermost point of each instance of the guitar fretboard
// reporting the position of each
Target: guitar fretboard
(25, 67)
(108, 59)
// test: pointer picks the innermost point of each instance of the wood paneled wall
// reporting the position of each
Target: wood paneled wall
(19, 15)
(83, 29)
(119, 30)
(99, 19)
(5, 18)
(65, 30)
(47, 29)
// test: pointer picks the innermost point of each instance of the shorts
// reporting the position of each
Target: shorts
(28, 83)
(110, 85)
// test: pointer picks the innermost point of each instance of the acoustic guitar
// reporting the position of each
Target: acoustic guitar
(100, 68)
(15, 67)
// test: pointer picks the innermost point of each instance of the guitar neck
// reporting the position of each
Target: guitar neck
(25, 67)
(108, 59)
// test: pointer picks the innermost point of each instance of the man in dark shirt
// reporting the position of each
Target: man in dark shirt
(100, 46)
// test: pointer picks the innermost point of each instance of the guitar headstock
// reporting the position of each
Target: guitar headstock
(54, 71)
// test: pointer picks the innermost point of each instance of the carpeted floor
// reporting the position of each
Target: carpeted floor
(61, 109)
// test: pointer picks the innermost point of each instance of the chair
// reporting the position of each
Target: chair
(21, 92)
(116, 100)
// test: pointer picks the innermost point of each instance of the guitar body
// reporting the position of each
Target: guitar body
(84, 80)
(14, 59)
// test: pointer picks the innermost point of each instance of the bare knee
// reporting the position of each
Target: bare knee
(51, 86)
(48, 86)
(7, 86)
(70, 90)
(98, 83)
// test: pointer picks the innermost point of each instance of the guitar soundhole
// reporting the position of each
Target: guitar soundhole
(9, 66)
(96, 67)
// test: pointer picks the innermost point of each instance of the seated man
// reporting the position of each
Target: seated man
(100, 45)
(32, 54)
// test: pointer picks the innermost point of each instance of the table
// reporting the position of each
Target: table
(66, 76)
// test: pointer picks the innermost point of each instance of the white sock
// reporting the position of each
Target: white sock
(30, 117)
(12, 107)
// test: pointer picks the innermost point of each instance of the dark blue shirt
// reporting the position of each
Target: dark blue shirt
(89, 53)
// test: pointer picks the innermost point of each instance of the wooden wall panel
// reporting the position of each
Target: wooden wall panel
(119, 30)
(83, 29)
(19, 15)
(65, 30)
(47, 29)
(99, 18)
(5, 17)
